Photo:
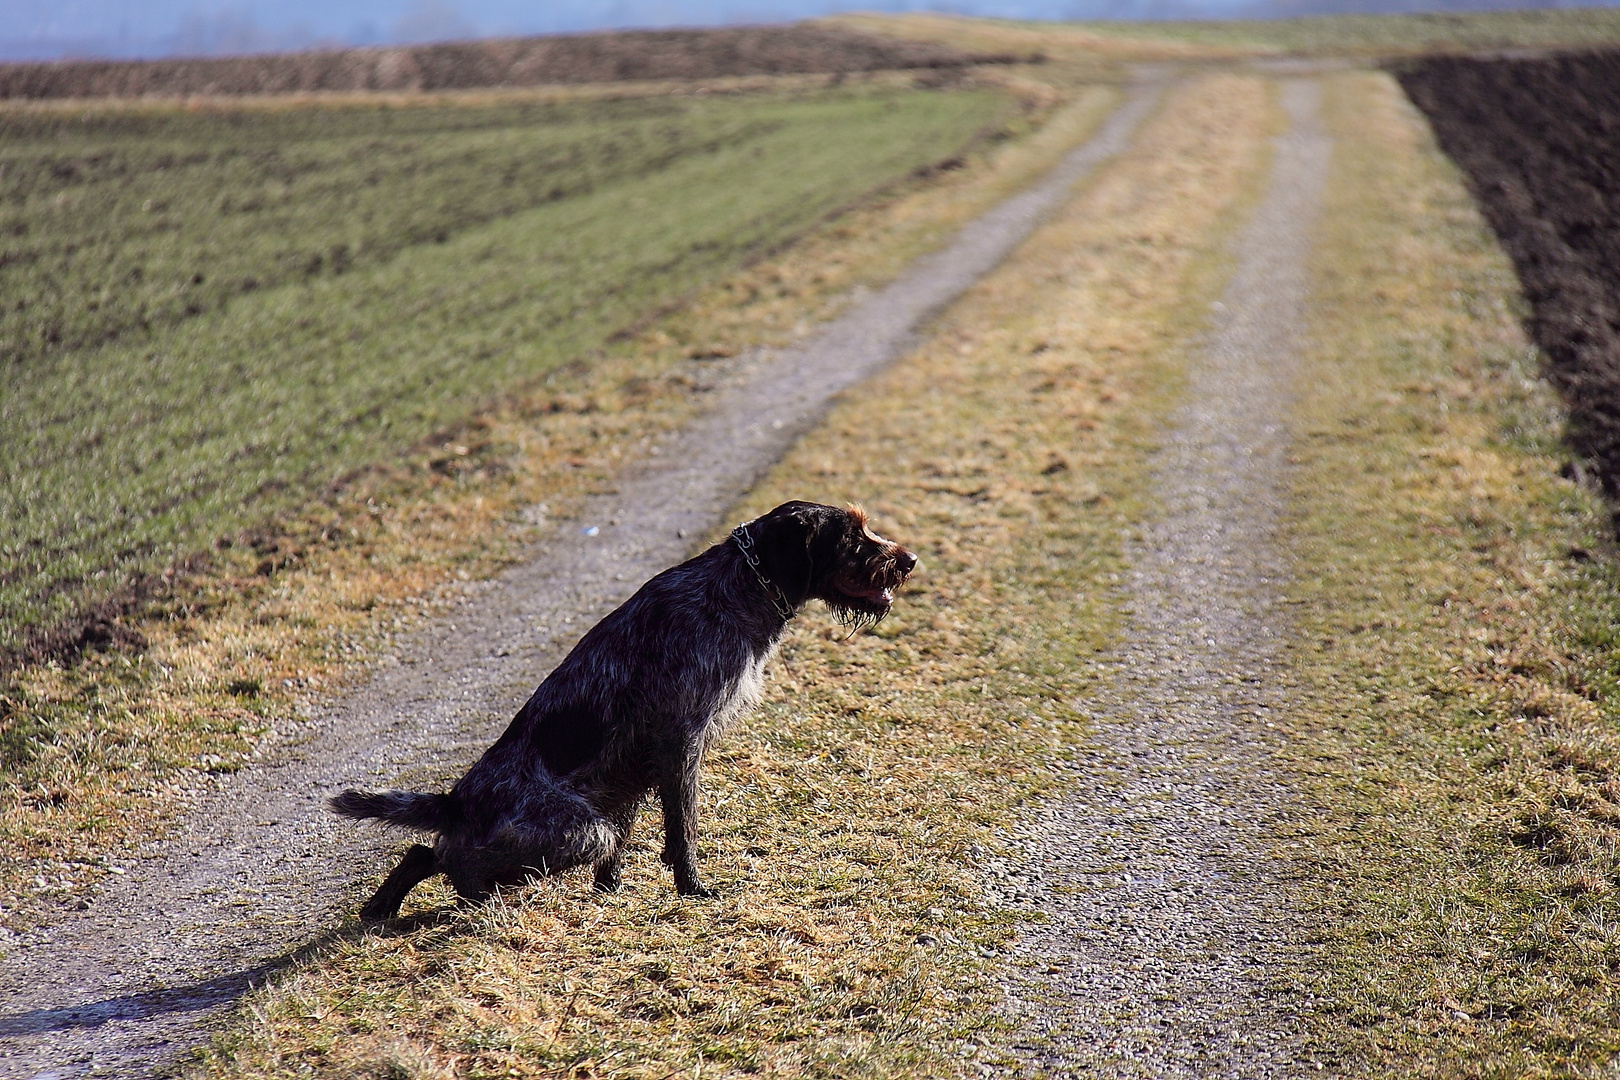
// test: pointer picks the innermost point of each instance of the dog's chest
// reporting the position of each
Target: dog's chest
(741, 695)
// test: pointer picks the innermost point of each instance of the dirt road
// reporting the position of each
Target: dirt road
(259, 872)
(1169, 924)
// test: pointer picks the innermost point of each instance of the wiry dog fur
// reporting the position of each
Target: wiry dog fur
(632, 708)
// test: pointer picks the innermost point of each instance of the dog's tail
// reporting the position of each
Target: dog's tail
(407, 809)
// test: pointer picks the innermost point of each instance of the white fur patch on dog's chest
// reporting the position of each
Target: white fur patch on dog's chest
(745, 694)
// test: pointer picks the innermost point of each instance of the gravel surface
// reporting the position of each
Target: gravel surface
(1168, 927)
(259, 872)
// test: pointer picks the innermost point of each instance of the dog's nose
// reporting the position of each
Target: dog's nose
(906, 561)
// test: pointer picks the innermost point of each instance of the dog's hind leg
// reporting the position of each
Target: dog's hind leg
(608, 871)
(417, 866)
(560, 833)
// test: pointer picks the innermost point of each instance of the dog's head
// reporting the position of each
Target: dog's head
(814, 551)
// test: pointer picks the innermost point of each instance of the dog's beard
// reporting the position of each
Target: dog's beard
(855, 621)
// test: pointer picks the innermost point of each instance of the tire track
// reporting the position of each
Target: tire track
(247, 882)
(1170, 927)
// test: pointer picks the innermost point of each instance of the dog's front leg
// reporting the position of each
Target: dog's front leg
(680, 799)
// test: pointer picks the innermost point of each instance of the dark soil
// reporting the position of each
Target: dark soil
(535, 61)
(1539, 141)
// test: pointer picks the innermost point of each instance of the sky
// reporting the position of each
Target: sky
(51, 29)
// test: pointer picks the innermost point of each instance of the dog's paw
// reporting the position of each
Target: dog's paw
(696, 891)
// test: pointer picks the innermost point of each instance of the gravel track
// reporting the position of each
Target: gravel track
(258, 873)
(1169, 929)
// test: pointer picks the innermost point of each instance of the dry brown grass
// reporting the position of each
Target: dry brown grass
(1101, 46)
(1069, 43)
(235, 657)
(1457, 651)
(845, 819)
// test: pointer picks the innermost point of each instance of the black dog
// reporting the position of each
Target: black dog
(632, 709)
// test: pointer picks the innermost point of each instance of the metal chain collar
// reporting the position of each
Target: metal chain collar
(745, 544)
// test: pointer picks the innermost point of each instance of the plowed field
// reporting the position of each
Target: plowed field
(1540, 143)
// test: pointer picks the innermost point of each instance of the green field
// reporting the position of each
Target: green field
(209, 315)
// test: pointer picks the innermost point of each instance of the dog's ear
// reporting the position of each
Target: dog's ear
(788, 538)
(793, 523)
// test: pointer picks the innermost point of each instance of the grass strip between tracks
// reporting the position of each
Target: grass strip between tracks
(848, 820)
(1457, 654)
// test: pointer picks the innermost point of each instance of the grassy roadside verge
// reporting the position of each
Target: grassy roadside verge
(1456, 605)
(845, 819)
(101, 752)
